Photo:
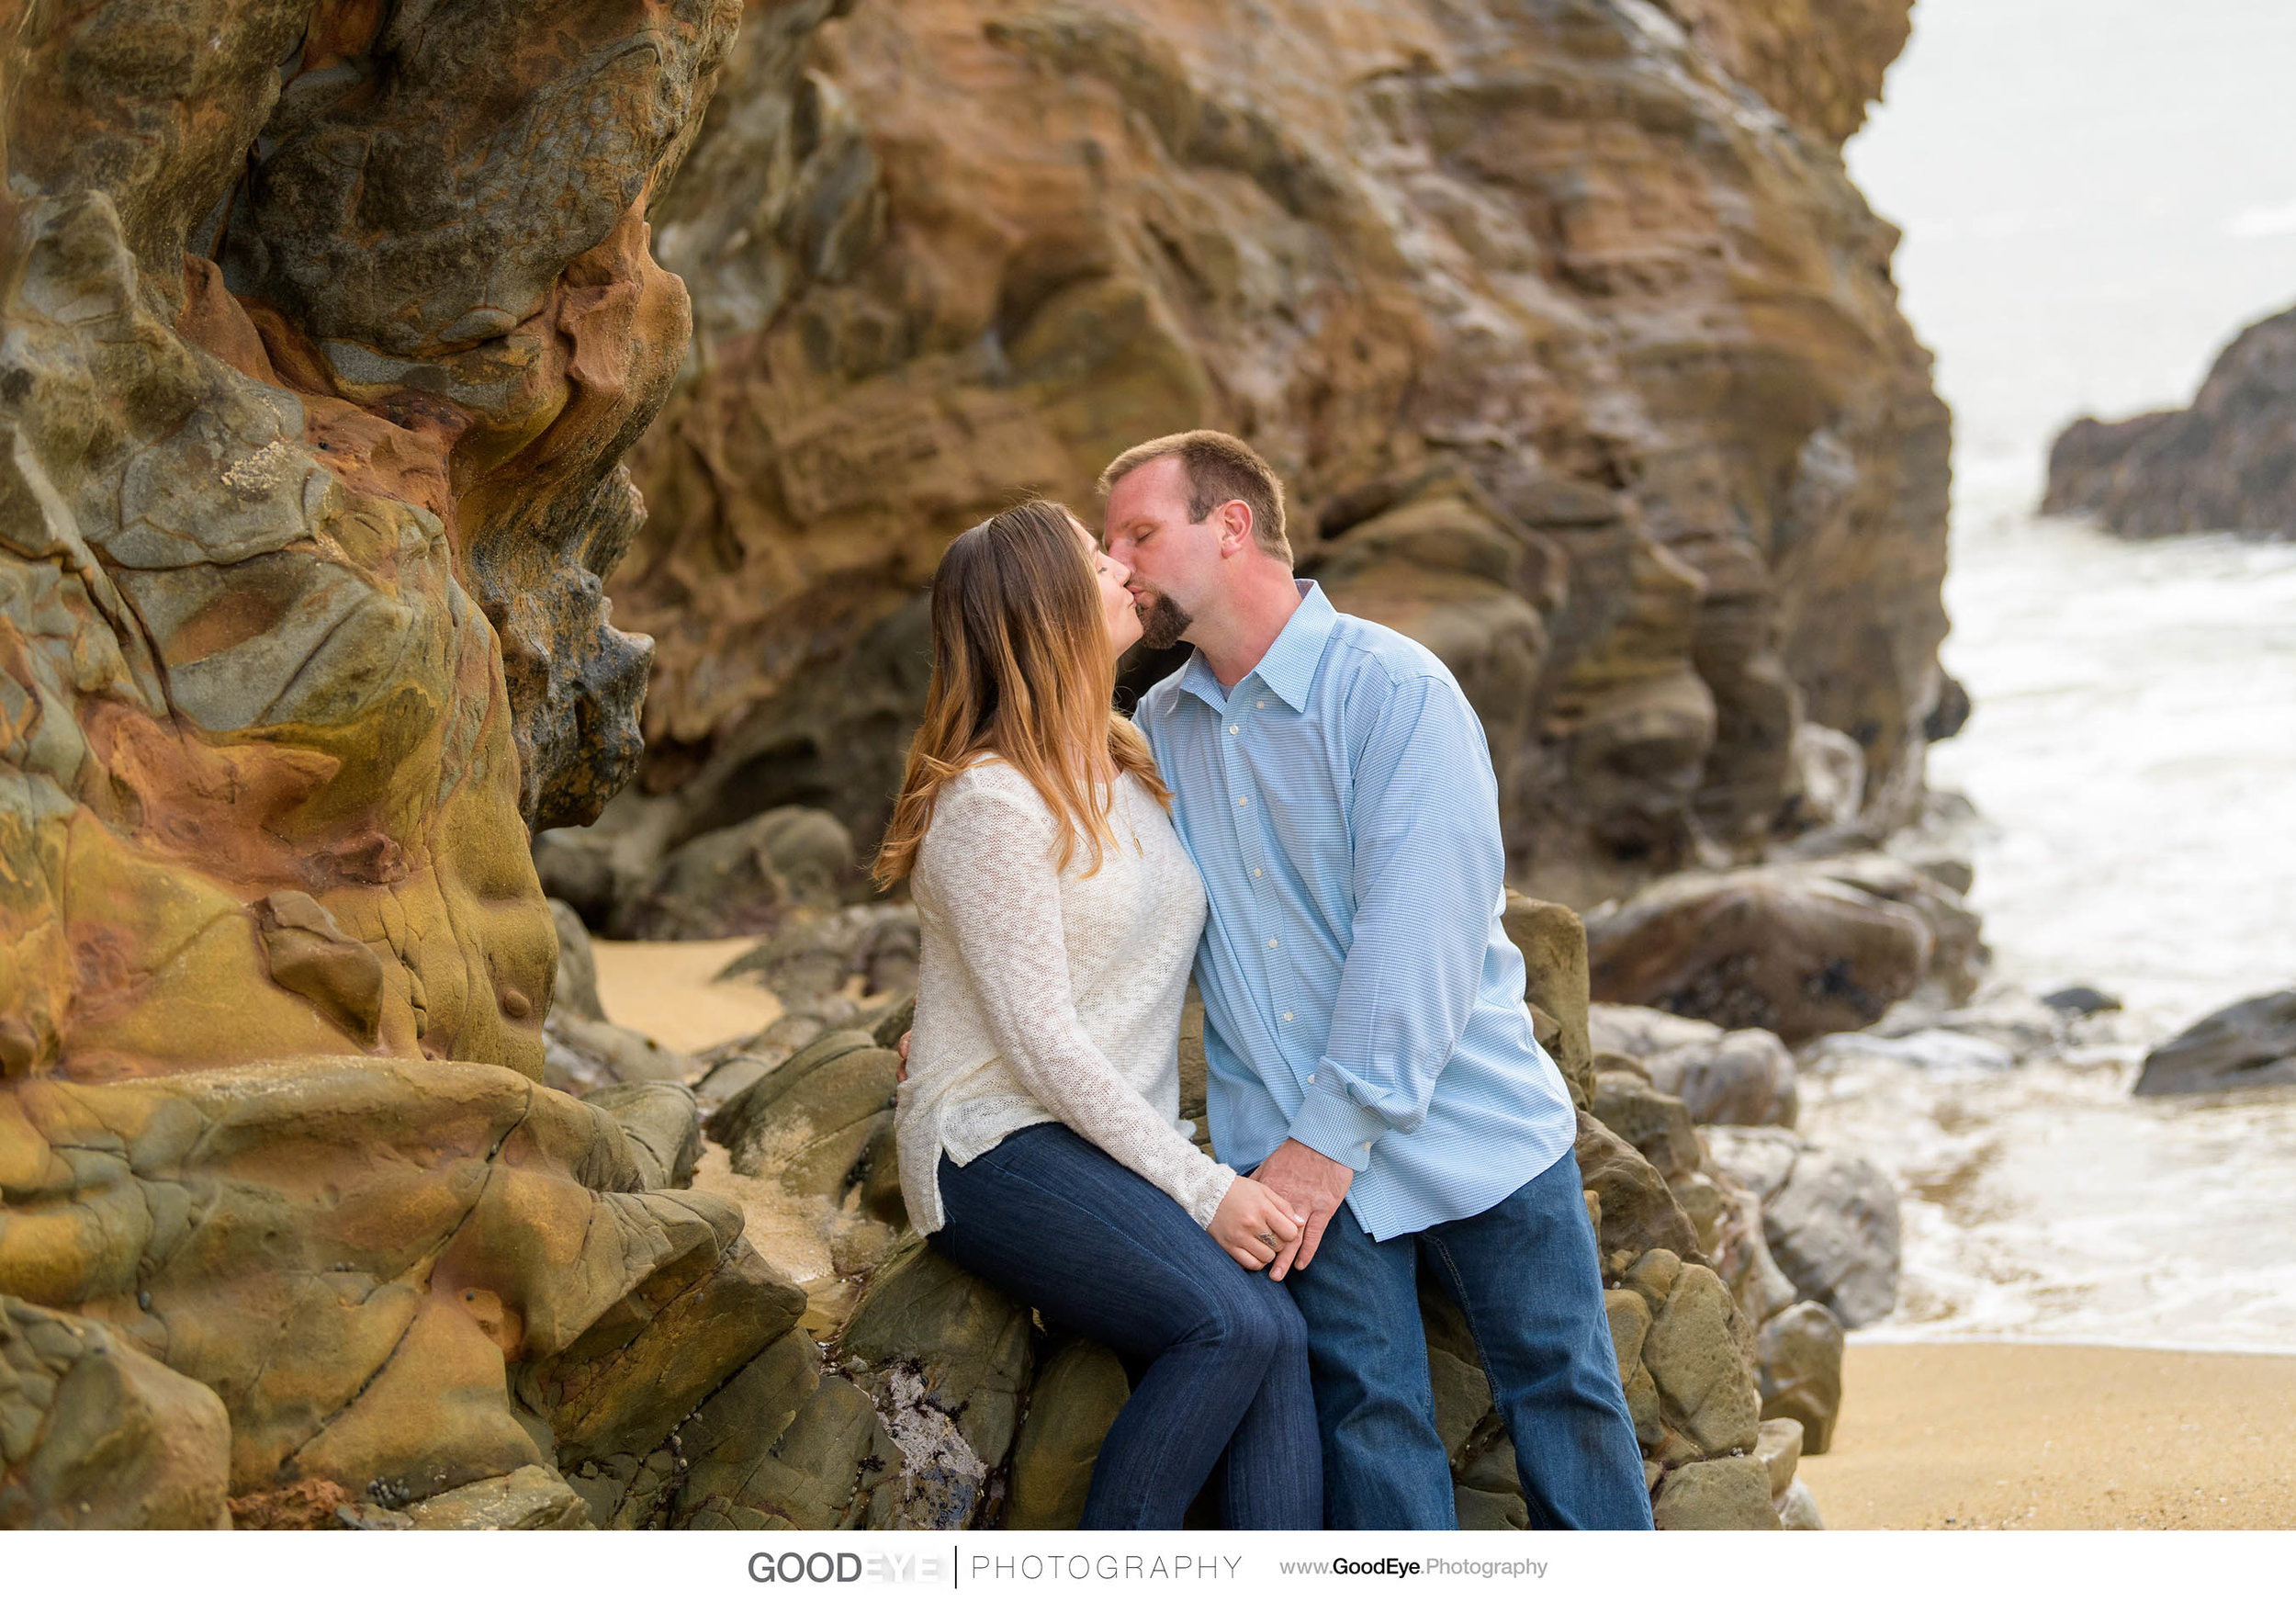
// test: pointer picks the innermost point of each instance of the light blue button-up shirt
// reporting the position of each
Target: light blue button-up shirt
(1360, 993)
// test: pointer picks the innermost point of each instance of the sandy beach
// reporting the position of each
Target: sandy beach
(1995, 1436)
(670, 990)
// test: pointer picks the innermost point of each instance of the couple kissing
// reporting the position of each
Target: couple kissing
(1305, 817)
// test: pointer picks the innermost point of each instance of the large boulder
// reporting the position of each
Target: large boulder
(2249, 1044)
(946, 1358)
(1830, 1217)
(313, 421)
(409, 1274)
(749, 878)
(1737, 1076)
(1799, 948)
(1077, 1394)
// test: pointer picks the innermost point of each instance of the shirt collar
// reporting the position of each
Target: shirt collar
(1289, 668)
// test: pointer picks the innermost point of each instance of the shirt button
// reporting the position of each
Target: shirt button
(1242, 800)
(1310, 1076)
(1236, 728)
(1287, 1020)
(1259, 703)
(1255, 872)
(1271, 945)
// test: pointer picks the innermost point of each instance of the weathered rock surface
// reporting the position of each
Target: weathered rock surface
(1723, 1494)
(1831, 1218)
(1739, 1075)
(2226, 462)
(1801, 1371)
(313, 413)
(1076, 1397)
(1577, 349)
(748, 878)
(404, 1274)
(94, 1435)
(1552, 940)
(2251, 1042)
(1799, 949)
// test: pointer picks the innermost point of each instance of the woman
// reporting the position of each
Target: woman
(1040, 1145)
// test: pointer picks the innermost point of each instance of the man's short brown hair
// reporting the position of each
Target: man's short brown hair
(1220, 468)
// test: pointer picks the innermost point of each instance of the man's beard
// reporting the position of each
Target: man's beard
(1162, 623)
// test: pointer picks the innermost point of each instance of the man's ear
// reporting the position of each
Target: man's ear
(1235, 528)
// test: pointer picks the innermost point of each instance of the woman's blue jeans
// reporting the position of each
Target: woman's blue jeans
(1051, 1220)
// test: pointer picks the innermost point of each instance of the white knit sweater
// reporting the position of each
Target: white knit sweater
(1050, 997)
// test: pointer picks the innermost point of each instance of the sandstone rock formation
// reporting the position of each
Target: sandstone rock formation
(1577, 348)
(2227, 462)
(326, 324)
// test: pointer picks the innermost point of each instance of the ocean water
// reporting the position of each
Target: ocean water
(2096, 195)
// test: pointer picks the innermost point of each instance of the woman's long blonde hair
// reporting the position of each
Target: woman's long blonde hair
(1021, 670)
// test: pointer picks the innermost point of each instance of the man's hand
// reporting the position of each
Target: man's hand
(903, 1071)
(1314, 1185)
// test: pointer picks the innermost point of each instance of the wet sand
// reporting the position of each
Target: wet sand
(670, 990)
(1989, 1436)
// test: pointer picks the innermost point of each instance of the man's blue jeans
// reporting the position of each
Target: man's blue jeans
(1051, 1220)
(1526, 1275)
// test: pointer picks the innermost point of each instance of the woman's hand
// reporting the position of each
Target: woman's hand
(902, 1073)
(1253, 1223)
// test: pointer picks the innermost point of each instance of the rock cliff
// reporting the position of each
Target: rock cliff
(2227, 462)
(1578, 350)
(327, 324)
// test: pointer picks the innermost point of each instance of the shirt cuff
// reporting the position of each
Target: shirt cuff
(1330, 1123)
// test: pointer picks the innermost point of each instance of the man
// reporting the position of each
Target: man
(1371, 1057)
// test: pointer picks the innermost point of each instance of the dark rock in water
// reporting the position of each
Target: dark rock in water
(2081, 1000)
(2226, 462)
(1950, 714)
(2248, 1044)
